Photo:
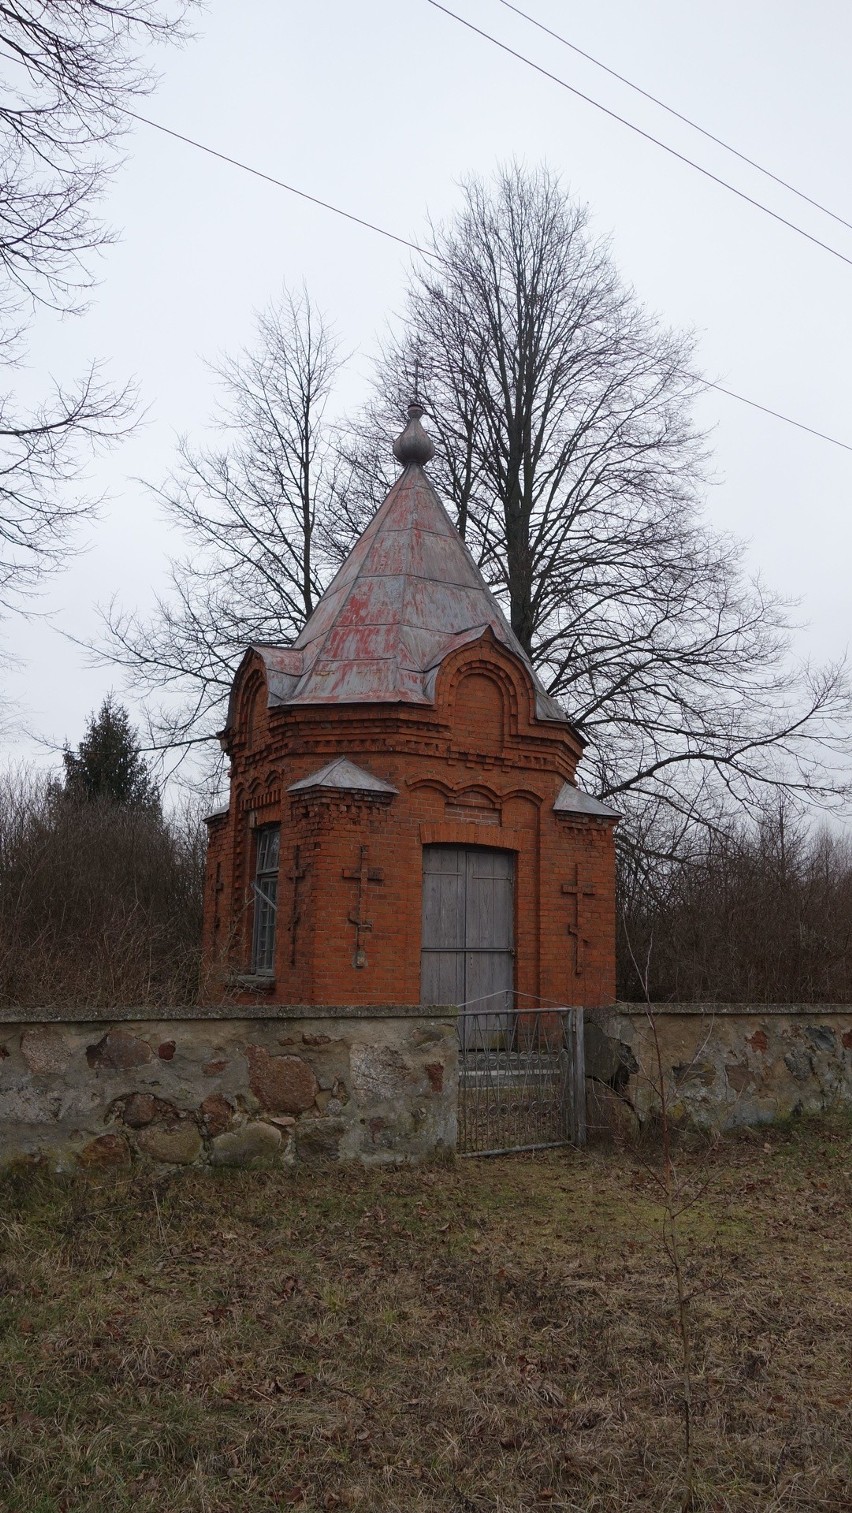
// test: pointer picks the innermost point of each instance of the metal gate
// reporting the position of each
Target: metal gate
(522, 1080)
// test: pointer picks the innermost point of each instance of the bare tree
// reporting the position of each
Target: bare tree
(70, 68)
(563, 418)
(41, 458)
(567, 448)
(749, 912)
(250, 512)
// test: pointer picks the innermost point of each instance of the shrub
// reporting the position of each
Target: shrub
(100, 904)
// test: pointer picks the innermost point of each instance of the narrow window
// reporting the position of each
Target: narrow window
(265, 899)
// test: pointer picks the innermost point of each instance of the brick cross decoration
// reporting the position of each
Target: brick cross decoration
(295, 876)
(578, 892)
(364, 876)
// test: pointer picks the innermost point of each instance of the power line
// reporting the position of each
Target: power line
(679, 116)
(623, 121)
(776, 414)
(279, 183)
(258, 173)
(425, 252)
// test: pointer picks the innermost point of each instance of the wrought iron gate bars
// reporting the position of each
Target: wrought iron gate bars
(521, 1080)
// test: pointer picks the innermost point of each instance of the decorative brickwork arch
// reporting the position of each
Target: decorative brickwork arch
(473, 802)
(479, 713)
(252, 708)
(528, 794)
(479, 689)
(522, 809)
(431, 785)
(477, 805)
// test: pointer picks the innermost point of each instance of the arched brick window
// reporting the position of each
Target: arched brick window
(265, 899)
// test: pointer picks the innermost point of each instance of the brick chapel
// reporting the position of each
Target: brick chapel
(404, 822)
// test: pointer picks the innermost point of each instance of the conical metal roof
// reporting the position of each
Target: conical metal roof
(408, 594)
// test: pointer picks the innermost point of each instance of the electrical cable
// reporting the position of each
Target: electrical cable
(424, 252)
(623, 121)
(279, 183)
(678, 115)
(776, 414)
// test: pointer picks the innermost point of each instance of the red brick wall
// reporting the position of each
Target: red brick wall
(476, 768)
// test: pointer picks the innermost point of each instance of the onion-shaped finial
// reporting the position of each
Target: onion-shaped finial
(413, 445)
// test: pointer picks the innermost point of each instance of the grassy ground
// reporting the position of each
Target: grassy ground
(493, 1335)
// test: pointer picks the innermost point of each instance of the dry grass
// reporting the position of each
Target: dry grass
(485, 1336)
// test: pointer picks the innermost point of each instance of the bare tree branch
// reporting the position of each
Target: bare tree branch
(563, 419)
(250, 512)
(67, 68)
(41, 459)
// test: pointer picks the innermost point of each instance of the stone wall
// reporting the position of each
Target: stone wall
(281, 1084)
(378, 1084)
(724, 1064)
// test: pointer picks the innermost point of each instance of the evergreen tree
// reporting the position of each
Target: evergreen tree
(109, 763)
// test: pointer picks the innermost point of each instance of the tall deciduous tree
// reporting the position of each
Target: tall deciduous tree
(252, 512)
(68, 68)
(563, 415)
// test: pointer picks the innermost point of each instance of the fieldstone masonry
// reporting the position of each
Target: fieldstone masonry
(724, 1065)
(287, 1085)
(284, 1085)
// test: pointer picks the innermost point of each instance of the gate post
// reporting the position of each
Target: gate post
(577, 1045)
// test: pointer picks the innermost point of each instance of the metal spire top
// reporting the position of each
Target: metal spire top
(413, 445)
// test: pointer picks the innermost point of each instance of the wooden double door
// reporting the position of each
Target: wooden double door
(467, 944)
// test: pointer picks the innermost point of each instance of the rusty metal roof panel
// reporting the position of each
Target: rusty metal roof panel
(280, 658)
(283, 671)
(425, 649)
(447, 608)
(391, 554)
(377, 682)
(322, 618)
(431, 554)
(365, 643)
(377, 600)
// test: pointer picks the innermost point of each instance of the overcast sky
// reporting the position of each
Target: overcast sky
(380, 108)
